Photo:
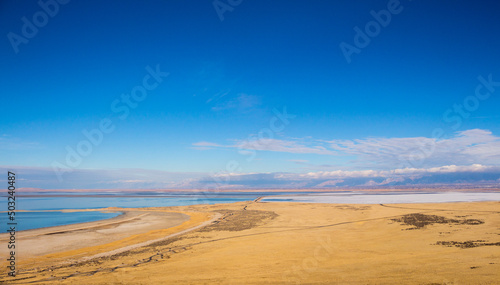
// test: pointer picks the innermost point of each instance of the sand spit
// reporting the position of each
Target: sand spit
(284, 243)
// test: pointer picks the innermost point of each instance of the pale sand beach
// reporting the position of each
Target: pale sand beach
(270, 243)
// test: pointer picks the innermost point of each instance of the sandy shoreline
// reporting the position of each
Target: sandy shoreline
(275, 243)
(55, 229)
(66, 238)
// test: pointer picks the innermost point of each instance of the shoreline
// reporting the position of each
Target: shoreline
(282, 242)
(65, 238)
(120, 214)
(287, 198)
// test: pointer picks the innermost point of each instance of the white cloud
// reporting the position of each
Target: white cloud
(448, 174)
(299, 161)
(242, 103)
(277, 145)
(154, 179)
(44, 177)
(394, 175)
(468, 147)
(11, 143)
(206, 144)
(124, 181)
(265, 144)
(401, 172)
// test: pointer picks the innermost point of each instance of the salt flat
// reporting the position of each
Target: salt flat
(388, 197)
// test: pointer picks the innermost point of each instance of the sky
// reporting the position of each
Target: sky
(249, 94)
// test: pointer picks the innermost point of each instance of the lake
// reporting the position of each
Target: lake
(35, 220)
(38, 218)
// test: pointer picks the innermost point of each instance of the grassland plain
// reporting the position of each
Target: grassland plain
(290, 243)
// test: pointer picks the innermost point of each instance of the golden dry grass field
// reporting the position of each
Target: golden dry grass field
(283, 243)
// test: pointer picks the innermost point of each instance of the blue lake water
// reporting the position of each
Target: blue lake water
(38, 219)
(59, 203)
(34, 220)
(54, 201)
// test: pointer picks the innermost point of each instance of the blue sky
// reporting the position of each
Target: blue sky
(407, 99)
